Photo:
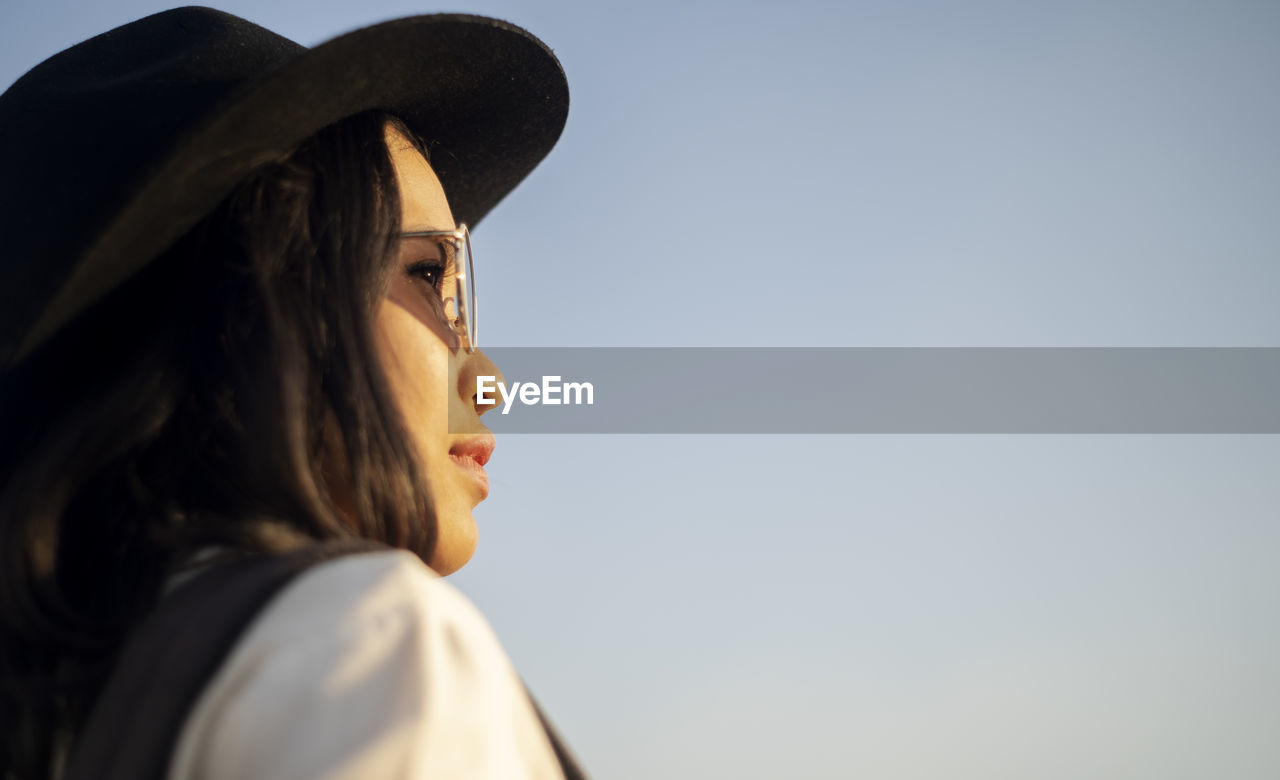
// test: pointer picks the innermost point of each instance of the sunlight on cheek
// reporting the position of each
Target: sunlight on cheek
(417, 367)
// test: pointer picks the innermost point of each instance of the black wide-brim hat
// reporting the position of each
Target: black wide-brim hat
(114, 148)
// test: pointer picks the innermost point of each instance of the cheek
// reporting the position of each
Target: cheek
(418, 371)
(416, 363)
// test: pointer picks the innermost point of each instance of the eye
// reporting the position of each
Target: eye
(429, 271)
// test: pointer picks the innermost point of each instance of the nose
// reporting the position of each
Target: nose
(474, 365)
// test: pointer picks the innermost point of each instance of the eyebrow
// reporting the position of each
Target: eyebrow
(428, 229)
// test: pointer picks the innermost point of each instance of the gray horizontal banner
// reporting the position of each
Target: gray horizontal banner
(881, 390)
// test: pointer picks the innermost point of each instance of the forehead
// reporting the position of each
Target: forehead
(423, 205)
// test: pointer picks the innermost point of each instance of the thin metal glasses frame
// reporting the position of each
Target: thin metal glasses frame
(465, 279)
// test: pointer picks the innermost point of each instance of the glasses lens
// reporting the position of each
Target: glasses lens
(447, 252)
(468, 262)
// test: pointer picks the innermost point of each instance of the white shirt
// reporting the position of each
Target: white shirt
(366, 666)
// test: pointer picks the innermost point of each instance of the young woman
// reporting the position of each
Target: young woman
(239, 321)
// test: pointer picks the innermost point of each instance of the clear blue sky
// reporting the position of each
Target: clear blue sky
(880, 174)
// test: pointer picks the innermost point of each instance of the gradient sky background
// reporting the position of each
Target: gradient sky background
(879, 174)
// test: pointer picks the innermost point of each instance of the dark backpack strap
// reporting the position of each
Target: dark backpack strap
(568, 764)
(164, 666)
(134, 725)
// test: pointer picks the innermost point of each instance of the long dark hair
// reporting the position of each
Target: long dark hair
(199, 405)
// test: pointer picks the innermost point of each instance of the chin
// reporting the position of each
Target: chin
(455, 544)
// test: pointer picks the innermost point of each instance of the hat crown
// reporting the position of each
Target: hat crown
(79, 130)
(136, 84)
(192, 43)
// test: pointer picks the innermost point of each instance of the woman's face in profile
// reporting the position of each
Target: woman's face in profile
(430, 388)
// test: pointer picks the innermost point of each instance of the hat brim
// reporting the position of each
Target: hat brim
(490, 99)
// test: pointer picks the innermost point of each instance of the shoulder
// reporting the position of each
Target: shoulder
(351, 596)
(369, 665)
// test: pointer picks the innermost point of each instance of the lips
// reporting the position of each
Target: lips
(470, 455)
(478, 448)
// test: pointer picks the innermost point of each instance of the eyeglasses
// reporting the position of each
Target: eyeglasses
(455, 246)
